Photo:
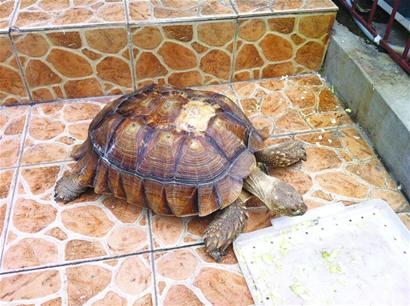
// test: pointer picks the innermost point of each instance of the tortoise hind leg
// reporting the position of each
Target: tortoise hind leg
(223, 230)
(69, 188)
(282, 155)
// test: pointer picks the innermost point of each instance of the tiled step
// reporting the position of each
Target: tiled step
(70, 49)
(101, 249)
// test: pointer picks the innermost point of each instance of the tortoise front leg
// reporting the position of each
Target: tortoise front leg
(282, 155)
(278, 196)
(223, 230)
(69, 188)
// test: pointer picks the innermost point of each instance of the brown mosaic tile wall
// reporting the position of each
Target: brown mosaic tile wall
(12, 89)
(277, 46)
(49, 13)
(75, 63)
(83, 48)
(184, 54)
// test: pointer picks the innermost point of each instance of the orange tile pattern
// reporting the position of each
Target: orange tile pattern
(12, 128)
(184, 54)
(75, 63)
(146, 10)
(7, 7)
(42, 13)
(277, 46)
(7, 178)
(119, 282)
(40, 232)
(198, 279)
(301, 5)
(263, 7)
(12, 89)
(55, 128)
(82, 48)
(288, 105)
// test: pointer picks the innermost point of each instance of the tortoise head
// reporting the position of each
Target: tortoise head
(280, 197)
(289, 201)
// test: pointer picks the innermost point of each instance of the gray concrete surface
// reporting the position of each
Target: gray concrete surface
(377, 91)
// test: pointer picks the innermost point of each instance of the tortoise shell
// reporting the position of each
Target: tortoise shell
(178, 152)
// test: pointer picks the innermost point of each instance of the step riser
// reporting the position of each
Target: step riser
(377, 92)
(95, 61)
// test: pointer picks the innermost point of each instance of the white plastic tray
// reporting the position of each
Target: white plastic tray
(335, 255)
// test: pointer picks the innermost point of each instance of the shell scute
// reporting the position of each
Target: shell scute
(123, 150)
(155, 197)
(227, 135)
(181, 199)
(200, 161)
(159, 158)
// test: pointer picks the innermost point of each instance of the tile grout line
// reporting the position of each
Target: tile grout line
(15, 182)
(317, 130)
(13, 18)
(151, 255)
(234, 47)
(71, 27)
(99, 259)
(130, 47)
(95, 99)
(47, 163)
(23, 140)
(232, 2)
(8, 168)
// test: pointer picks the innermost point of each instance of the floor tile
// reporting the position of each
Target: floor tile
(198, 280)
(12, 125)
(289, 105)
(7, 183)
(151, 10)
(126, 281)
(6, 8)
(171, 232)
(252, 7)
(54, 129)
(43, 232)
(75, 63)
(340, 167)
(45, 14)
(302, 5)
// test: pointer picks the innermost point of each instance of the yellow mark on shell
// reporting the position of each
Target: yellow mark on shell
(195, 116)
(195, 145)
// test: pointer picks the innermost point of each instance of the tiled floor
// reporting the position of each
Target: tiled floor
(100, 251)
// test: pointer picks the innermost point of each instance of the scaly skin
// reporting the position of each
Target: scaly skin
(282, 155)
(69, 188)
(224, 229)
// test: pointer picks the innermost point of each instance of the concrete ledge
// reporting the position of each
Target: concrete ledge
(377, 91)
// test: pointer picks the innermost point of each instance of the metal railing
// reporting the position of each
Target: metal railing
(401, 57)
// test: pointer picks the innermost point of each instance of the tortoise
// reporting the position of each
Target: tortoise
(183, 153)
